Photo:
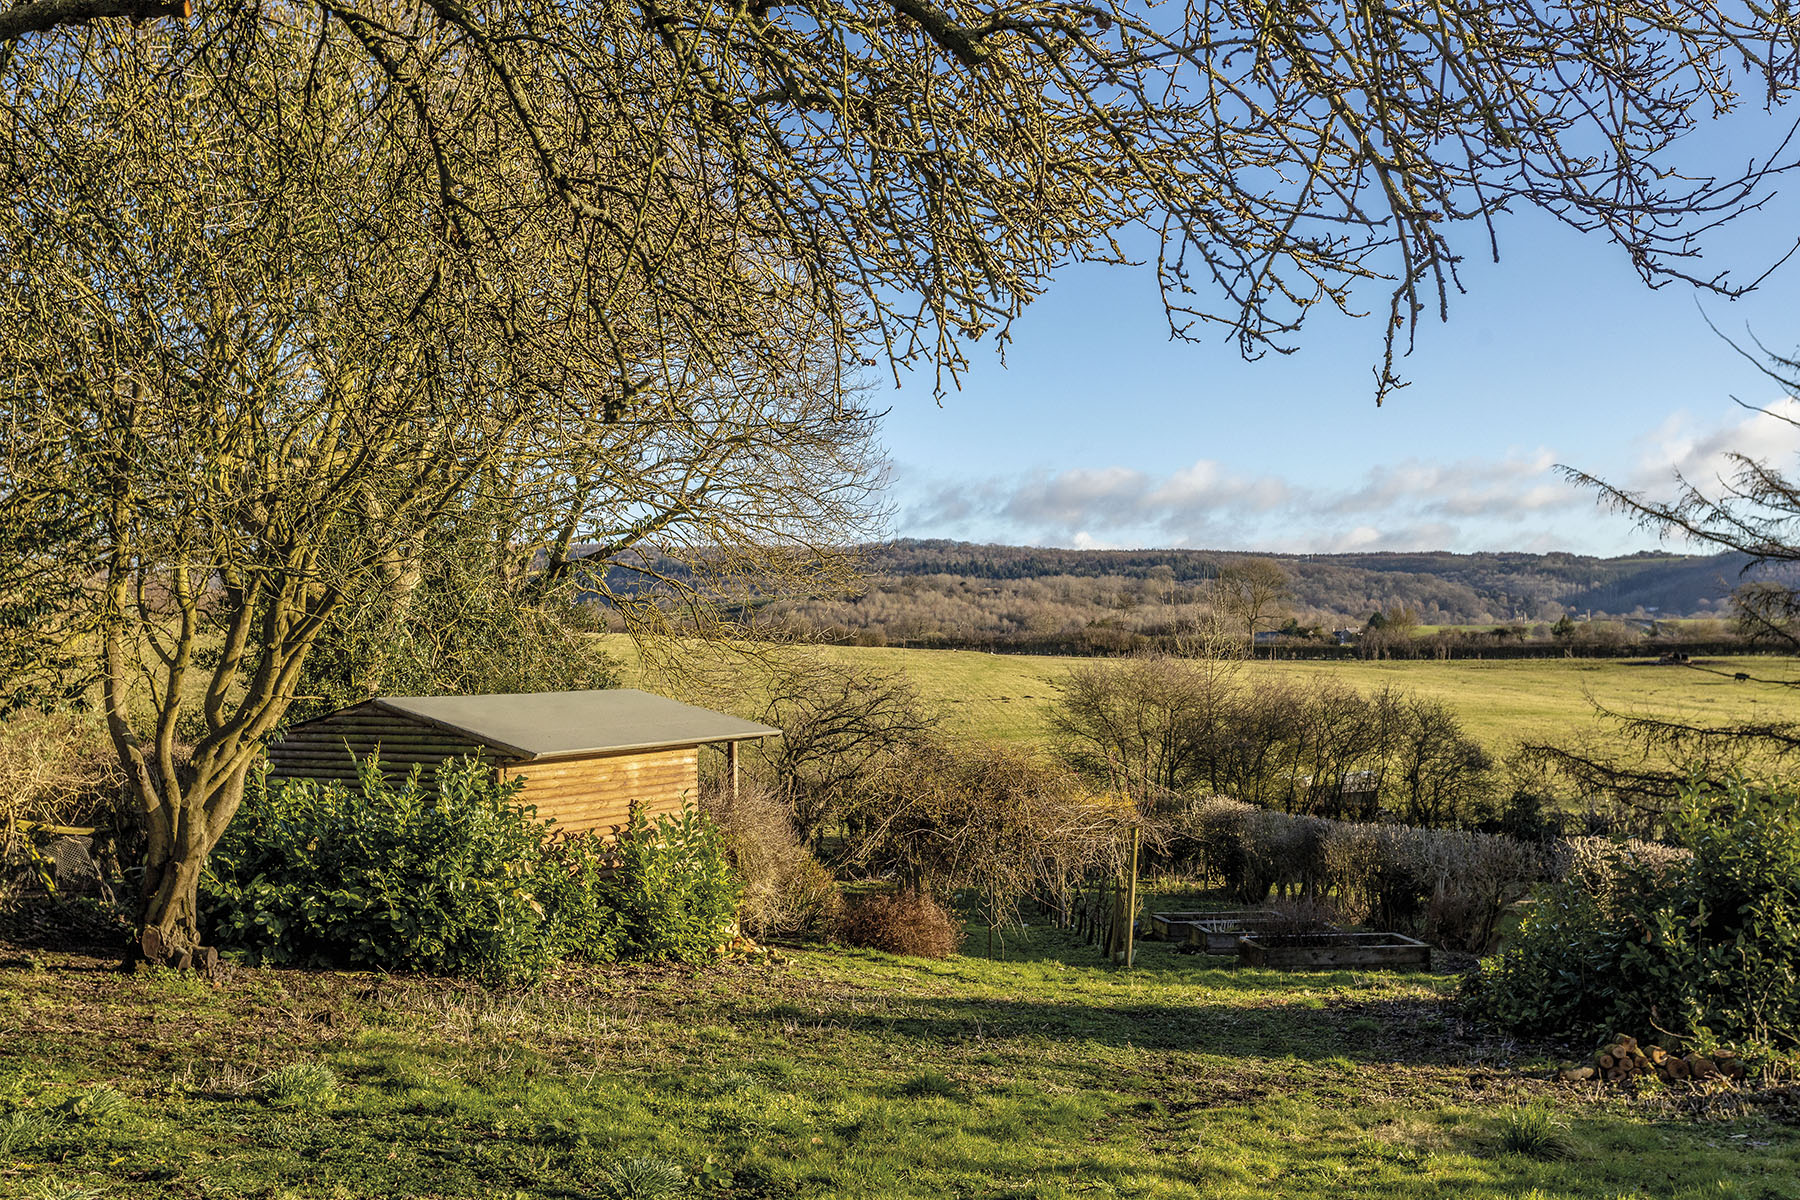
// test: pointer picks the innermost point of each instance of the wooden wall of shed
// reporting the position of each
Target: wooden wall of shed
(596, 792)
(321, 749)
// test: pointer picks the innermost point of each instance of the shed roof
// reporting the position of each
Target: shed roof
(556, 724)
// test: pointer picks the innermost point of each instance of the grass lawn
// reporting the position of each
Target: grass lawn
(1007, 697)
(835, 1074)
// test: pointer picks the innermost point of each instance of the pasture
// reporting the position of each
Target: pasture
(1007, 697)
(1045, 1076)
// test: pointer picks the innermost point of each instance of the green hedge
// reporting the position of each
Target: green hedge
(1704, 946)
(456, 879)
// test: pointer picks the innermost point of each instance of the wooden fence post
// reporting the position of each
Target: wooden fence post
(1131, 901)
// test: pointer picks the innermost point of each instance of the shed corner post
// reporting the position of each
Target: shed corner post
(731, 759)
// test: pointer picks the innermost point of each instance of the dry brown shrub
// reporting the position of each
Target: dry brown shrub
(1301, 914)
(787, 891)
(1451, 885)
(901, 923)
(1595, 861)
(59, 769)
(1001, 822)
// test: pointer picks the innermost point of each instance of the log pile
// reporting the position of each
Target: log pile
(1621, 1059)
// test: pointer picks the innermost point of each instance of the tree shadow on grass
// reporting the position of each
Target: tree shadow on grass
(1387, 1030)
(86, 926)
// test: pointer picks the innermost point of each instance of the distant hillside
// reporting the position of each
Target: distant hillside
(942, 593)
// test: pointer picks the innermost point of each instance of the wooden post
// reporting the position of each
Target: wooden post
(1131, 900)
(731, 760)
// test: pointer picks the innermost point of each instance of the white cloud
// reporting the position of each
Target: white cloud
(1515, 499)
(1703, 456)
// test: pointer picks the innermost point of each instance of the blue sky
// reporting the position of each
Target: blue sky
(1099, 431)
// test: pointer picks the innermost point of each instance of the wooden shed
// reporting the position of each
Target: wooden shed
(585, 757)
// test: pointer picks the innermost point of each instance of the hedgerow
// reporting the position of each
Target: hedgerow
(455, 878)
(1451, 885)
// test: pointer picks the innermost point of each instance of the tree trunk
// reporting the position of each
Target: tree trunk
(169, 912)
(168, 932)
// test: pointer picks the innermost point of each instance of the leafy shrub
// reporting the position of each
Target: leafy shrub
(457, 879)
(901, 923)
(1704, 946)
(394, 877)
(672, 893)
(569, 886)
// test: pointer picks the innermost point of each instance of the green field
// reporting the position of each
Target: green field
(1007, 697)
(1048, 1076)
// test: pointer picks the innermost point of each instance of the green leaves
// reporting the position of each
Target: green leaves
(399, 876)
(458, 879)
(1706, 948)
(673, 891)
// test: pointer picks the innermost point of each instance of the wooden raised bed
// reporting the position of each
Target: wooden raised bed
(1327, 951)
(1174, 925)
(1221, 937)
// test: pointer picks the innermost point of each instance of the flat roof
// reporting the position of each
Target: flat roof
(555, 724)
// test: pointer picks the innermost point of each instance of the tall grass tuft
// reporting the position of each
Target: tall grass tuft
(22, 1128)
(298, 1085)
(54, 1189)
(1534, 1131)
(644, 1179)
(96, 1105)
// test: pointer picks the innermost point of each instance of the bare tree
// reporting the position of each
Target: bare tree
(922, 167)
(1252, 593)
(1143, 724)
(247, 387)
(839, 722)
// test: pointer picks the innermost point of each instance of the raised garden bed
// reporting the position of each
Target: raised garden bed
(1221, 937)
(1328, 951)
(1174, 926)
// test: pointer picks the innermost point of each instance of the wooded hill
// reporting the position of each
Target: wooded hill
(944, 593)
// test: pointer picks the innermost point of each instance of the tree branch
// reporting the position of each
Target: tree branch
(44, 15)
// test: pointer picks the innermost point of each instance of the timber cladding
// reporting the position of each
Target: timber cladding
(596, 793)
(585, 758)
(322, 749)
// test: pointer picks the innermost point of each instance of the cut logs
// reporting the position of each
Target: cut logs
(1621, 1058)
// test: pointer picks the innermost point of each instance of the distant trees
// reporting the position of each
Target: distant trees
(1252, 592)
(1044, 600)
(1162, 728)
(1753, 510)
(1389, 633)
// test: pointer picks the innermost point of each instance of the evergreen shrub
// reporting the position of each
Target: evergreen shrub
(456, 878)
(1703, 946)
